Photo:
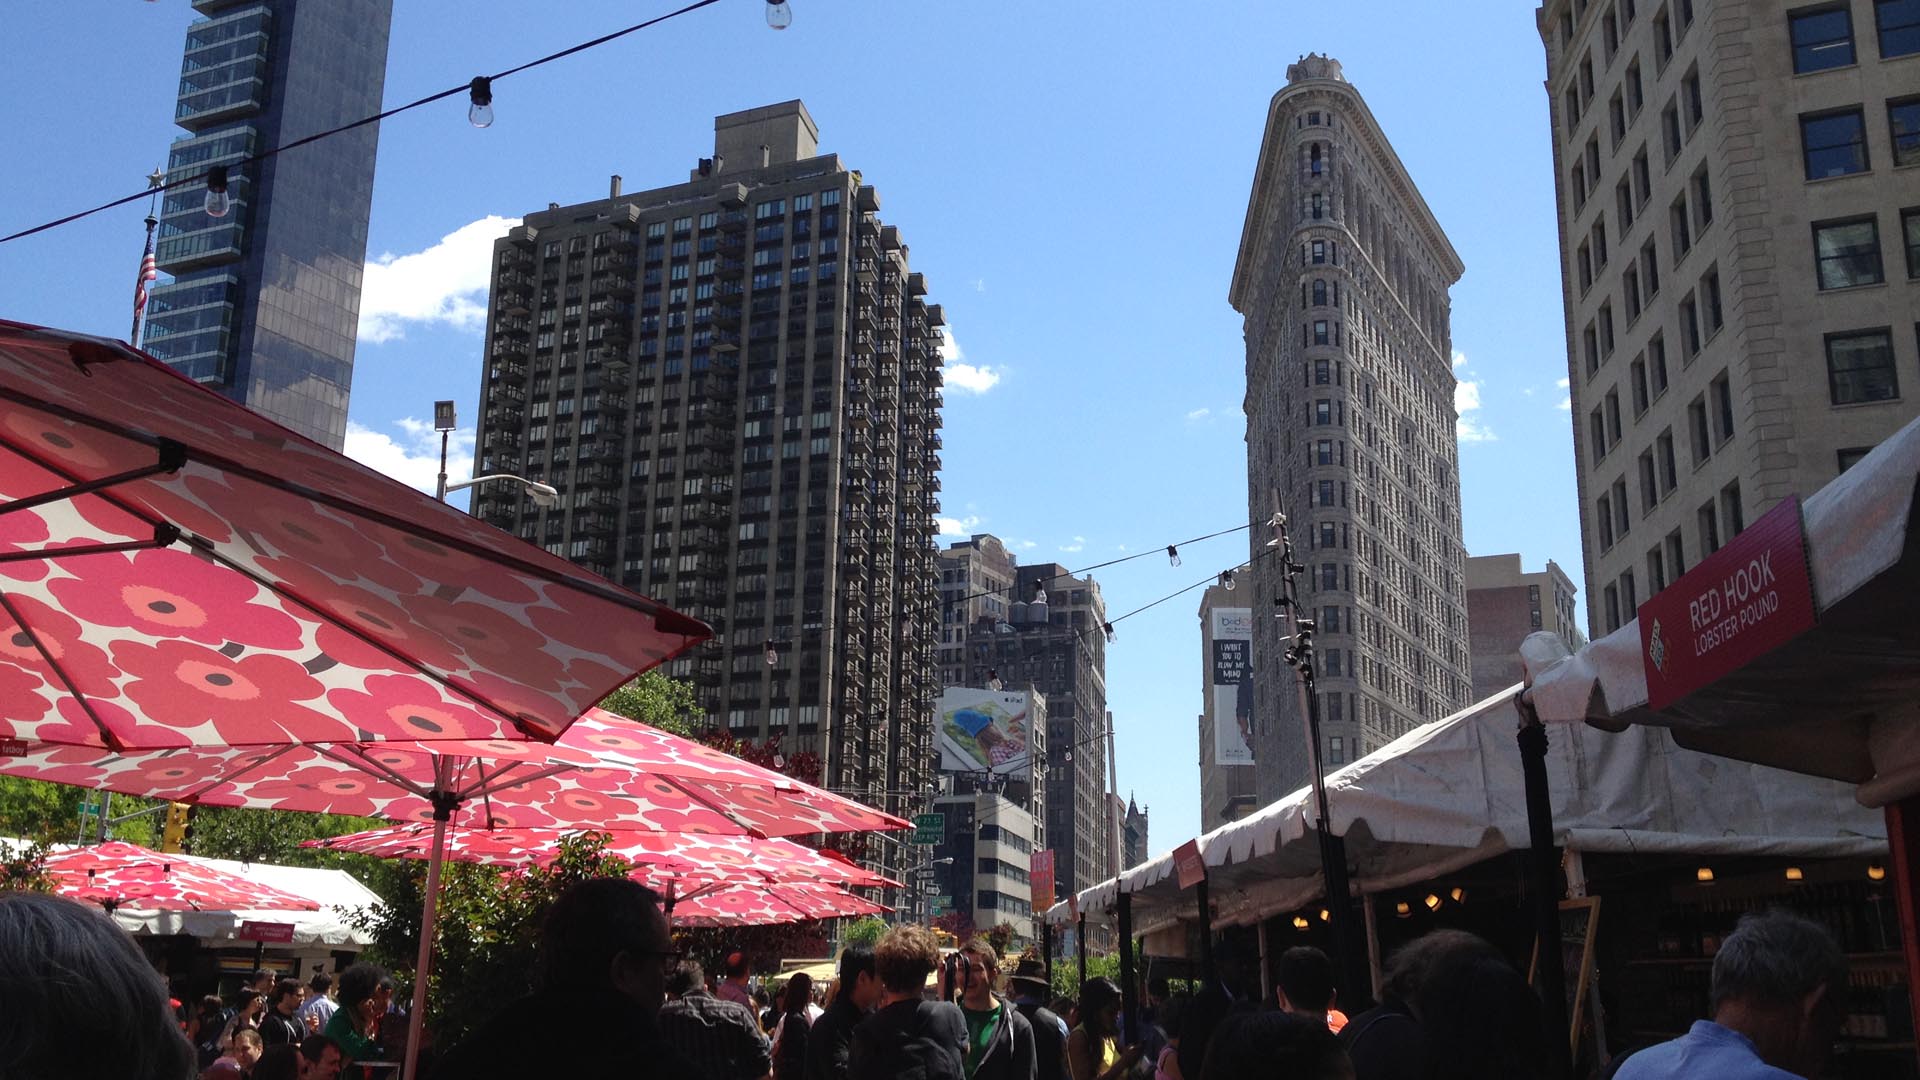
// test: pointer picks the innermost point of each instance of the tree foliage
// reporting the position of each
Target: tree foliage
(23, 867)
(865, 930)
(269, 836)
(42, 810)
(1066, 973)
(659, 701)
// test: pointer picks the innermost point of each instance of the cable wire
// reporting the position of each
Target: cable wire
(363, 121)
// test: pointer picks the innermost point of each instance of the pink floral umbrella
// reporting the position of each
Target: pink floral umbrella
(763, 905)
(688, 857)
(176, 570)
(117, 874)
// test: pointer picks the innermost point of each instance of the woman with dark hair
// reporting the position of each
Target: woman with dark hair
(1275, 1046)
(78, 1000)
(204, 1029)
(365, 992)
(790, 1034)
(1479, 1018)
(1093, 1048)
(1173, 1017)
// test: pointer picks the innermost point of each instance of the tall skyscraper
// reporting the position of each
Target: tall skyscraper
(1504, 605)
(264, 303)
(1342, 278)
(1739, 241)
(1226, 715)
(734, 382)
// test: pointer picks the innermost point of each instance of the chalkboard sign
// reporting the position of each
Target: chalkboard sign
(1579, 921)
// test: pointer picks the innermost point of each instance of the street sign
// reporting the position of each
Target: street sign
(88, 809)
(924, 873)
(1040, 875)
(1187, 864)
(929, 828)
(940, 905)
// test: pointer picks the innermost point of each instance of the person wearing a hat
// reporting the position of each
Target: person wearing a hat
(1030, 988)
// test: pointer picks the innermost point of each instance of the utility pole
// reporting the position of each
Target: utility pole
(1333, 849)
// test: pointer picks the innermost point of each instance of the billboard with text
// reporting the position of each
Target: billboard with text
(981, 731)
(1231, 685)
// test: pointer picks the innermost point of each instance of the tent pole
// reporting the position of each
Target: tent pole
(443, 806)
(1046, 947)
(1544, 882)
(1129, 992)
(1369, 912)
(1903, 839)
(1266, 963)
(1080, 947)
(1206, 931)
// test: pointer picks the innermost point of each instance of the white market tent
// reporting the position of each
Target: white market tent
(1450, 794)
(337, 891)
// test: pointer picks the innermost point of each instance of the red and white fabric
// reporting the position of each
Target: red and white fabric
(764, 905)
(117, 874)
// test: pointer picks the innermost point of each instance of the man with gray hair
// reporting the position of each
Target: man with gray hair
(1778, 1000)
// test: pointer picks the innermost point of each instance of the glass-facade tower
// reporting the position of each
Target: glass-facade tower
(265, 301)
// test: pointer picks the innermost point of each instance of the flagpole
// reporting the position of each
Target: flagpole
(154, 180)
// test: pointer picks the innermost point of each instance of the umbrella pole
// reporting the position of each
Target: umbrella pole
(443, 805)
(1080, 947)
(1046, 947)
(1543, 864)
(1129, 993)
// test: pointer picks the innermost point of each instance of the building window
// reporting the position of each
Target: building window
(1899, 23)
(1834, 144)
(1731, 511)
(1697, 432)
(1676, 555)
(1629, 595)
(1710, 299)
(1319, 292)
(1860, 367)
(1336, 750)
(1613, 608)
(1669, 471)
(1670, 131)
(1603, 517)
(1682, 225)
(1662, 39)
(1657, 363)
(1721, 392)
(1320, 332)
(1622, 522)
(1597, 433)
(1649, 484)
(1319, 249)
(1850, 456)
(1903, 117)
(1656, 569)
(1689, 328)
(1638, 379)
(1910, 228)
(1709, 528)
(1822, 38)
(1847, 253)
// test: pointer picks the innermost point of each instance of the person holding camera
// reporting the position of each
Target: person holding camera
(999, 1039)
(909, 1037)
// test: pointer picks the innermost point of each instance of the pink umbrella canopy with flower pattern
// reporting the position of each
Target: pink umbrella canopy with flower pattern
(686, 857)
(765, 905)
(118, 874)
(176, 570)
(606, 773)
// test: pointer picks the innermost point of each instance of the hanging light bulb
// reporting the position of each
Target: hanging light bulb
(1403, 909)
(1458, 894)
(1173, 555)
(1300, 922)
(1704, 875)
(1794, 874)
(1876, 871)
(1325, 914)
(1432, 901)
(779, 15)
(773, 654)
(218, 203)
(993, 679)
(1226, 580)
(1108, 628)
(480, 91)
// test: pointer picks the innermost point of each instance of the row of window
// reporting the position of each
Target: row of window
(1716, 521)
(1822, 36)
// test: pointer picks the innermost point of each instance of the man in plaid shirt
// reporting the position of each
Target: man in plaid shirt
(723, 1038)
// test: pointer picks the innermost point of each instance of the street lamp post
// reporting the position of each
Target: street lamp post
(444, 423)
(543, 495)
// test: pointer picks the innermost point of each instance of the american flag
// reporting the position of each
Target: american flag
(148, 273)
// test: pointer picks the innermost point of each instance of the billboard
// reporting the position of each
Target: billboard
(1231, 682)
(981, 731)
(1040, 875)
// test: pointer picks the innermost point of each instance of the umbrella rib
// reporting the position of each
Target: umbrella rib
(229, 778)
(106, 734)
(355, 758)
(487, 785)
(712, 805)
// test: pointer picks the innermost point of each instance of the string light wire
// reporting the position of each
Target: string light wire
(453, 91)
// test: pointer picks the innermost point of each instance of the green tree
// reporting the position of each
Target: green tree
(269, 836)
(659, 701)
(865, 930)
(23, 867)
(1066, 973)
(41, 810)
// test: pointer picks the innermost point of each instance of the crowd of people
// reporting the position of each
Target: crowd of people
(615, 998)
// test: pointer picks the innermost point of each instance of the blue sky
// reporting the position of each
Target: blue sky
(1071, 177)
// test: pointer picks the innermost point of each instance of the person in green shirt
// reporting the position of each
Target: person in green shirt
(999, 1039)
(365, 992)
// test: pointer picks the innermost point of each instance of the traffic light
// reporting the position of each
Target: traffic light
(174, 837)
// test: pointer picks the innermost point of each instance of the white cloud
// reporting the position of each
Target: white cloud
(446, 283)
(1027, 545)
(979, 284)
(1466, 401)
(959, 528)
(414, 457)
(1459, 358)
(1566, 400)
(1079, 544)
(1196, 415)
(973, 378)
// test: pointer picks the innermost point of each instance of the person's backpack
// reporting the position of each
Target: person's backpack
(209, 1045)
(790, 1056)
